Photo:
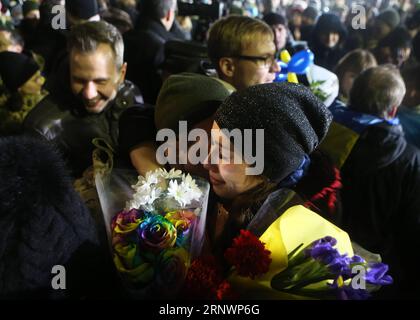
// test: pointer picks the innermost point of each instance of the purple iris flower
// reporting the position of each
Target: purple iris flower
(323, 250)
(357, 259)
(348, 293)
(340, 265)
(328, 239)
(376, 274)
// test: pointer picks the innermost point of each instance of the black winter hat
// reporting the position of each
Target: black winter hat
(16, 69)
(310, 12)
(28, 6)
(185, 56)
(391, 17)
(273, 18)
(293, 119)
(82, 9)
(329, 22)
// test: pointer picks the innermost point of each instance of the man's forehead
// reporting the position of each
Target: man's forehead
(262, 44)
(102, 50)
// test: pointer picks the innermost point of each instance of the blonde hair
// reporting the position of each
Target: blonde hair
(230, 35)
(377, 90)
(355, 61)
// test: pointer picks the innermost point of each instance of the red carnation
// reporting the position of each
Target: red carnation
(203, 279)
(248, 255)
(225, 291)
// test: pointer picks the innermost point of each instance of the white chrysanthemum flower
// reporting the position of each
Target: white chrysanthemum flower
(140, 181)
(145, 196)
(149, 188)
(185, 192)
(152, 178)
(172, 174)
(154, 194)
(189, 182)
(176, 191)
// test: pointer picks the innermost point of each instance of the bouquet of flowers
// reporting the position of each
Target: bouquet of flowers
(270, 270)
(160, 228)
(320, 271)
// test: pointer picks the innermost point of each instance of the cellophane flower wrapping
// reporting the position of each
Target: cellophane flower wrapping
(155, 227)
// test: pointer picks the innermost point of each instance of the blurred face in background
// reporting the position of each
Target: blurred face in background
(33, 14)
(307, 21)
(330, 40)
(34, 85)
(380, 30)
(395, 56)
(296, 18)
(280, 36)
(7, 44)
(346, 82)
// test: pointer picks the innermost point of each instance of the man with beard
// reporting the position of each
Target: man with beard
(99, 95)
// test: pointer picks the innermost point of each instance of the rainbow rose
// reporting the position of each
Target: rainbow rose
(156, 233)
(171, 270)
(127, 221)
(131, 265)
(182, 220)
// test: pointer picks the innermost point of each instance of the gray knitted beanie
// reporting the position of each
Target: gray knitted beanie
(293, 119)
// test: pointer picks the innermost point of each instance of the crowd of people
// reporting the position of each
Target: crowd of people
(122, 70)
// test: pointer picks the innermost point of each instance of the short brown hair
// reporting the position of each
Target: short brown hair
(377, 90)
(355, 61)
(228, 36)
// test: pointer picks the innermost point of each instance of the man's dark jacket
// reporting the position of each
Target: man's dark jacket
(144, 54)
(381, 202)
(72, 128)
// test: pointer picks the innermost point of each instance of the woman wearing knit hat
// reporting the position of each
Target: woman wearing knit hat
(294, 123)
(22, 81)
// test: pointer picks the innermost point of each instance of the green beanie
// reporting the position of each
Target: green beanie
(188, 97)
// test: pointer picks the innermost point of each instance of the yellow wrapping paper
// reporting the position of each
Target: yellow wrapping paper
(297, 225)
(338, 143)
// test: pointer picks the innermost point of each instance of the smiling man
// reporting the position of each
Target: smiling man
(99, 95)
(95, 76)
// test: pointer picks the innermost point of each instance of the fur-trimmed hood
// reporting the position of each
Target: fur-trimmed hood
(43, 221)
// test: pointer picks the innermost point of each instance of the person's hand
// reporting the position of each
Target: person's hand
(143, 158)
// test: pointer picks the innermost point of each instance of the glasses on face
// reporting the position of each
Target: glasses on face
(266, 61)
